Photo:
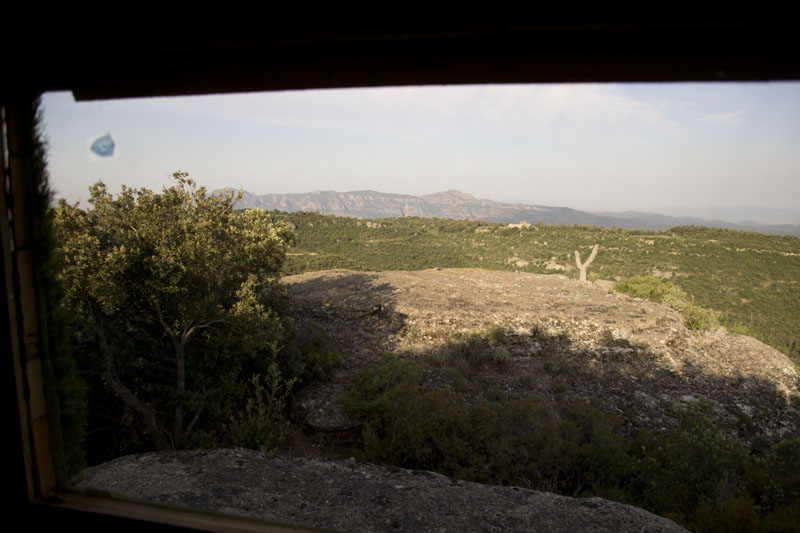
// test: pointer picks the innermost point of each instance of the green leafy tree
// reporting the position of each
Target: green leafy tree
(177, 301)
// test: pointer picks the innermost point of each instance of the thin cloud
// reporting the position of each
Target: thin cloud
(734, 117)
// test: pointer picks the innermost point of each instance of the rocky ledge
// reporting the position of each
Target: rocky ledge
(563, 341)
(353, 496)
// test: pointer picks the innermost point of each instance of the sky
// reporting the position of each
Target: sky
(678, 149)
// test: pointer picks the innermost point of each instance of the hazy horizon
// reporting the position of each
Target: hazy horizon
(678, 149)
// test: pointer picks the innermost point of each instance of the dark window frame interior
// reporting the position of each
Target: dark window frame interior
(315, 54)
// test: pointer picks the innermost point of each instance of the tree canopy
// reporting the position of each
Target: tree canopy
(175, 302)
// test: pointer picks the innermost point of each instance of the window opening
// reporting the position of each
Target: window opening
(505, 145)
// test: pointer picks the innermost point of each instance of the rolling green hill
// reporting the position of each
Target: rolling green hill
(751, 280)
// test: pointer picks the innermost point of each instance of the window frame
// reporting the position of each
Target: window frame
(309, 53)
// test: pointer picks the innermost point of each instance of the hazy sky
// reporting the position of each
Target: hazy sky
(657, 147)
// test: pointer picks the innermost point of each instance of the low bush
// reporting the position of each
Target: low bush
(374, 388)
(694, 474)
(319, 354)
(261, 424)
(501, 357)
(648, 288)
(495, 334)
(657, 290)
(468, 355)
(697, 319)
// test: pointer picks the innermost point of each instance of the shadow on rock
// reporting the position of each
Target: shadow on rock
(357, 313)
(615, 376)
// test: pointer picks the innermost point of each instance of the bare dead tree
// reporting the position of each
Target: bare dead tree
(583, 266)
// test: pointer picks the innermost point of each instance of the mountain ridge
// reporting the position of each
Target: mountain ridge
(455, 204)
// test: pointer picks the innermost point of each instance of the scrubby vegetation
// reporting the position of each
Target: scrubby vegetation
(693, 474)
(657, 290)
(185, 338)
(751, 280)
(180, 328)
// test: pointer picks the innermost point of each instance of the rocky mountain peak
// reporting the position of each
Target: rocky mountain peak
(457, 205)
(452, 194)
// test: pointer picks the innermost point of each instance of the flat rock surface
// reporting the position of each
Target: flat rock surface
(565, 340)
(355, 497)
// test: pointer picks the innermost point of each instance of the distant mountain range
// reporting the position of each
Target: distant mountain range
(454, 204)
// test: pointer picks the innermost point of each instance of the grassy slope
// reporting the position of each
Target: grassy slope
(752, 279)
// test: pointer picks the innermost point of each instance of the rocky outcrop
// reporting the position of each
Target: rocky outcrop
(566, 340)
(355, 497)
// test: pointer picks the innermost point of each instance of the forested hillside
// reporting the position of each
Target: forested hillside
(751, 280)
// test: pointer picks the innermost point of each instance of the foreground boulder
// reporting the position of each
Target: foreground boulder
(354, 496)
